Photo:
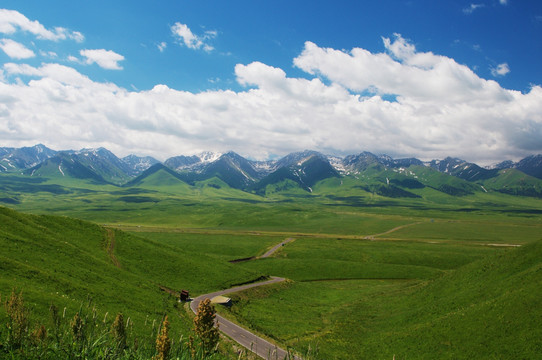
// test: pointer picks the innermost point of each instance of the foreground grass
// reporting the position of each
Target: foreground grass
(85, 335)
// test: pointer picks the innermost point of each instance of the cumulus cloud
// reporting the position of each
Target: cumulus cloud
(185, 36)
(106, 59)
(470, 9)
(500, 70)
(12, 20)
(162, 46)
(439, 108)
(15, 50)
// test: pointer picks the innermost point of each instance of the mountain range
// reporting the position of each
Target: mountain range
(379, 174)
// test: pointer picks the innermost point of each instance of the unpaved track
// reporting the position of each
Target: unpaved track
(110, 239)
(372, 237)
(275, 248)
(254, 343)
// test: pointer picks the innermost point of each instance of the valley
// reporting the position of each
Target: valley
(392, 258)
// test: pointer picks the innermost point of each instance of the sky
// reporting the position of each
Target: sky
(425, 79)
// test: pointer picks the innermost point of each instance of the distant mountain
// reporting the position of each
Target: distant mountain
(157, 175)
(400, 163)
(13, 159)
(182, 162)
(233, 169)
(302, 169)
(139, 164)
(104, 163)
(65, 165)
(463, 169)
(531, 165)
(194, 163)
(296, 158)
(354, 164)
(507, 164)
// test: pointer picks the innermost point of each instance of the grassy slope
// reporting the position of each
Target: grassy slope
(66, 261)
(490, 308)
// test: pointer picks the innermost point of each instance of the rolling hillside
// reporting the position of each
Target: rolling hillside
(67, 262)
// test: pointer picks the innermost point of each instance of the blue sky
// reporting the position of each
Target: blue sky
(407, 78)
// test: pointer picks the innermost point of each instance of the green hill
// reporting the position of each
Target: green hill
(488, 309)
(160, 177)
(66, 262)
(515, 182)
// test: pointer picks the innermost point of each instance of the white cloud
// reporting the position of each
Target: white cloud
(503, 2)
(442, 109)
(472, 7)
(500, 70)
(11, 20)
(15, 50)
(162, 46)
(183, 33)
(106, 59)
(48, 54)
(402, 71)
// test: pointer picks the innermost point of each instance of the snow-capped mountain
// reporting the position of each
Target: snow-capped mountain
(195, 163)
(139, 164)
(13, 159)
(303, 168)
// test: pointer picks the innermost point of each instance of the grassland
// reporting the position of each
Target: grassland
(433, 276)
(489, 308)
(69, 262)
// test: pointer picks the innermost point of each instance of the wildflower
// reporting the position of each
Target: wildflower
(119, 332)
(163, 343)
(77, 326)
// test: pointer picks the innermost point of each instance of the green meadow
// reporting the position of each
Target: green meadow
(369, 276)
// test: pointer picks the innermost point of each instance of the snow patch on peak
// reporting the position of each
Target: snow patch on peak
(337, 163)
(208, 156)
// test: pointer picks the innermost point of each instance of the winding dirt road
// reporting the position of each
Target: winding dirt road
(275, 248)
(256, 344)
(252, 342)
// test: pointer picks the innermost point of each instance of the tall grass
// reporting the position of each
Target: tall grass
(85, 335)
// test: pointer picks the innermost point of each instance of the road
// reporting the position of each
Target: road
(254, 343)
(275, 248)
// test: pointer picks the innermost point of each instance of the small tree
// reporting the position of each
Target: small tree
(204, 326)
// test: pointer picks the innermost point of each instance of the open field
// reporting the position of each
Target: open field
(433, 277)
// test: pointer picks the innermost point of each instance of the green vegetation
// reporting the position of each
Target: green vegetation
(86, 336)
(489, 308)
(67, 262)
(373, 271)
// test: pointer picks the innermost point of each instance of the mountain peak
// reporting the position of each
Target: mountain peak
(208, 156)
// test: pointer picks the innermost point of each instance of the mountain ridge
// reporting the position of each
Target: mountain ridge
(299, 169)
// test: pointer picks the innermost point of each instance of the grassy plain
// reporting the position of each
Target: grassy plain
(370, 276)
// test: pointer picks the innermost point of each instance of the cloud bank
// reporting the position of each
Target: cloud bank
(401, 102)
